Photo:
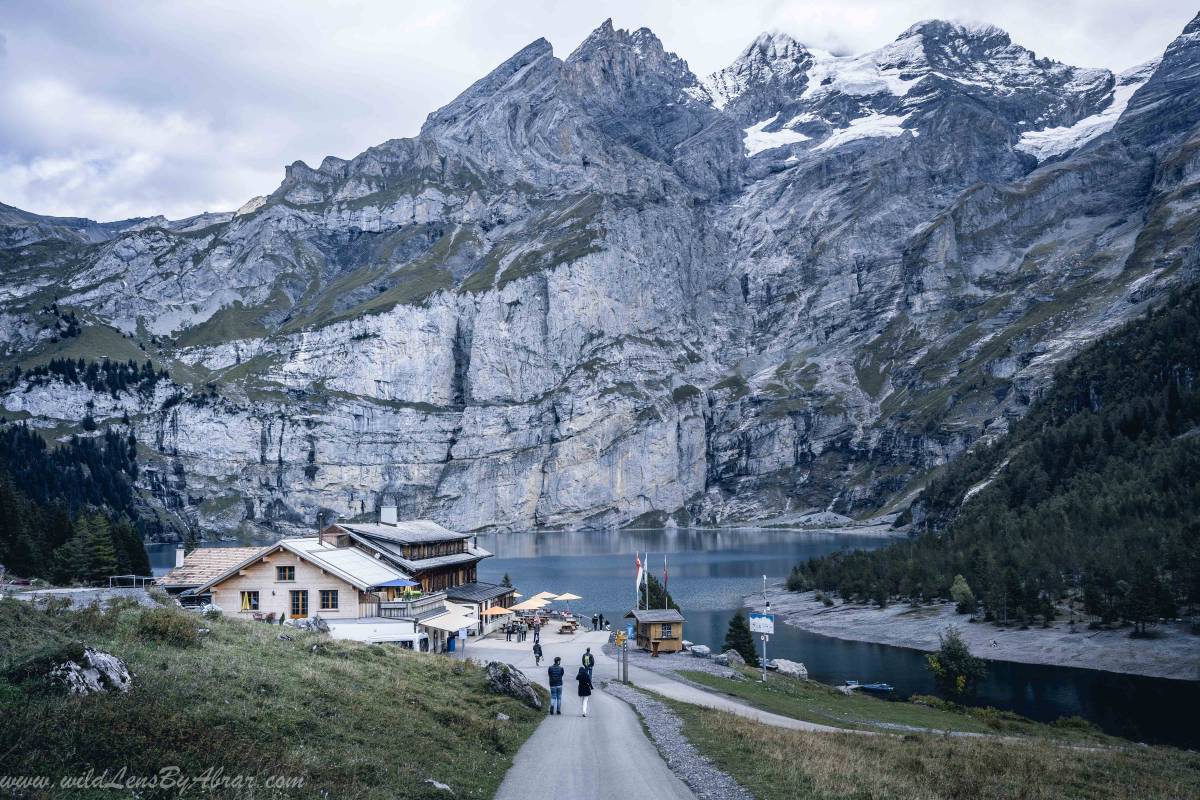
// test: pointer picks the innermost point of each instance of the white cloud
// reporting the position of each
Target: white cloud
(138, 108)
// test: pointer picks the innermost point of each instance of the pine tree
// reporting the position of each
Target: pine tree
(71, 559)
(506, 581)
(656, 593)
(101, 555)
(740, 639)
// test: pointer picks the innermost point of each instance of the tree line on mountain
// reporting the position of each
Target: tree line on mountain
(112, 377)
(68, 513)
(1093, 496)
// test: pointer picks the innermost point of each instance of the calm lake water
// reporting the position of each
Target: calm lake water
(712, 570)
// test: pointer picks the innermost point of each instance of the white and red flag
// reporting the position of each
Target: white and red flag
(637, 587)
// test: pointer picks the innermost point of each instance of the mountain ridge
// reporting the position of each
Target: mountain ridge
(580, 297)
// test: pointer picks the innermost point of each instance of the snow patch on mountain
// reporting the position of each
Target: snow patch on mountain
(877, 72)
(1054, 142)
(756, 139)
(868, 127)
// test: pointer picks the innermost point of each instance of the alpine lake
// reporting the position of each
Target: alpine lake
(711, 571)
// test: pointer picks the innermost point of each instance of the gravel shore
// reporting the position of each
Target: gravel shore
(1175, 653)
(666, 729)
(671, 664)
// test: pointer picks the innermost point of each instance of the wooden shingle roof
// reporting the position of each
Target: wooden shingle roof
(205, 563)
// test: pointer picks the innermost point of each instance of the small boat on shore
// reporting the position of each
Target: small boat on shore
(875, 688)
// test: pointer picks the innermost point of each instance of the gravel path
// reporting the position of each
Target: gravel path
(666, 729)
(82, 598)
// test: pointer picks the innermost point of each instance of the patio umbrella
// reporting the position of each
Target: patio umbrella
(495, 611)
(567, 597)
(545, 596)
(532, 604)
(517, 594)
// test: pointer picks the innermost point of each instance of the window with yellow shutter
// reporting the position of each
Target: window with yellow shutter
(249, 601)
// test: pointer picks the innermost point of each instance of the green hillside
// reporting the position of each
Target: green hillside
(1093, 495)
(347, 720)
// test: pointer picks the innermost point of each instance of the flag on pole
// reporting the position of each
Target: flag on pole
(637, 587)
(664, 580)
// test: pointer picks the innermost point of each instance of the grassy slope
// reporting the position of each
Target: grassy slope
(815, 702)
(777, 764)
(353, 720)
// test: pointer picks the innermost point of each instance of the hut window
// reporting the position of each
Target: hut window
(285, 573)
(666, 631)
(329, 599)
(249, 601)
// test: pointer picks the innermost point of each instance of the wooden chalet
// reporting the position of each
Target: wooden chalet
(658, 630)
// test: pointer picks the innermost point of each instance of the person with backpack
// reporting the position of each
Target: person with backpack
(589, 661)
(556, 673)
(537, 654)
(584, 677)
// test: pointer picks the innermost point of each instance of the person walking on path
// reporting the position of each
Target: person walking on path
(537, 630)
(589, 661)
(595, 621)
(537, 654)
(556, 673)
(601, 622)
(508, 632)
(584, 677)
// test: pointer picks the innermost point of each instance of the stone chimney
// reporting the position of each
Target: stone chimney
(388, 514)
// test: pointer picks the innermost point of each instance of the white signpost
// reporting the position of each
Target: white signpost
(764, 625)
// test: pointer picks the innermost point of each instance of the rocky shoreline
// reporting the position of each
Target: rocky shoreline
(1175, 653)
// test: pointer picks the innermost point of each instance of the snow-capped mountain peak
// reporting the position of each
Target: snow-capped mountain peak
(773, 58)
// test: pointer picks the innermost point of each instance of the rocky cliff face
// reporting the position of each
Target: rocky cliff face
(600, 290)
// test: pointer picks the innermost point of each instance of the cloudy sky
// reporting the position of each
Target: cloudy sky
(112, 110)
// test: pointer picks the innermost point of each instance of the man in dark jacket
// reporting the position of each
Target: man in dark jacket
(589, 661)
(556, 673)
(537, 654)
(584, 676)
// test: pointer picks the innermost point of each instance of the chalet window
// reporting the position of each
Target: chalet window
(299, 603)
(285, 574)
(249, 601)
(666, 631)
(329, 599)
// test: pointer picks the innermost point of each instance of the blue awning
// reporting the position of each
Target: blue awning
(398, 583)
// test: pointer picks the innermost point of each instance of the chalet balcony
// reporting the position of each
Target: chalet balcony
(414, 608)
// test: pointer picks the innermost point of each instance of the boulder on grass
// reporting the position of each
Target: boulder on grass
(686, 644)
(734, 657)
(793, 668)
(701, 651)
(508, 680)
(721, 659)
(75, 669)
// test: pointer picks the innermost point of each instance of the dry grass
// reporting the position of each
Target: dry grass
(777, 764)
